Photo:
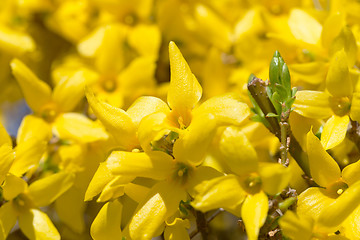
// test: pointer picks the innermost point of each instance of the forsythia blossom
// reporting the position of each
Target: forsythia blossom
(172, 119)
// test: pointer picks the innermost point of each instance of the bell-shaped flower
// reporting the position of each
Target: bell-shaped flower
(52, 112)
(174, 142)
(337, 197)
(23, 203)
(337, 104)
(116, 78)
(244, 191)
(122, 127)
(299, 227)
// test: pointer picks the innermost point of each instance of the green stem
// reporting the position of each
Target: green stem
(284, 126)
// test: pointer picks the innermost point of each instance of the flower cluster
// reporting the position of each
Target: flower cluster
(179, 119)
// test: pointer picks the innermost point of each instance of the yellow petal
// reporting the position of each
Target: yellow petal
(136, 191)
(184, 90)
(46, 190)
(15, 43)
(237, 152)
(221, 192)
(114, 189)
(177, 230)
(345, 41)
(8, 217)
(162, 202)
(28, 155)
(249, 23)
(312, 104)
(116, 120)
(310, 72)
(303, 126)
(107, 223)
(144, 106)
(312, 201)
(153, 127)
(213, 70)
(351, 173)
(332, 28)
(101, 178)
(32, 128)
(135, 83)
(274, 177)
(228, 109)
(355, 107)
(109, 56)
(78, 127)
(213, 28)
(157, 165)
(91, 44)
(72, 157)
(296, 227)
(199, 176)
(36, 225)
(36, 92)
(334, 131)
(4, 136)
(334, 214)
(13, 186)
(6, 159)
(145, 39)
(304, 27)
(254, 212)
(324, 169)
(70, 208)
(351, 224)
(69, 91)
(338, 81)
(193, 145)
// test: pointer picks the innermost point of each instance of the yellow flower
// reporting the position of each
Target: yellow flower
(53, 107)
(244, 192)
(14, 40)
(337, 198)
(338, 103)
(6, 153)
(116, 53)
(23, 204)
(299, 227)
(178, 169)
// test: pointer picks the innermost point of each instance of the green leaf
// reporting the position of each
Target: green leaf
(272, 115)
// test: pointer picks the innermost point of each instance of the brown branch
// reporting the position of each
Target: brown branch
(257, 89)
(353, 133)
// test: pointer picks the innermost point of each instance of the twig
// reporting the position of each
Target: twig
(257, 89)
(353, 133)
(196, 231)
(284, 126)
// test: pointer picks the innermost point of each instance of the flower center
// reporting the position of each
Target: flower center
(182, 173)
(22, 202)
(49, 113)
(109, 85)
(166, 143)
(252, 183)
(130, 19)
(340, 105)
(336, 189)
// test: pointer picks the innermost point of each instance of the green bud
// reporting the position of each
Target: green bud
(279, 77)
(274, 70)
